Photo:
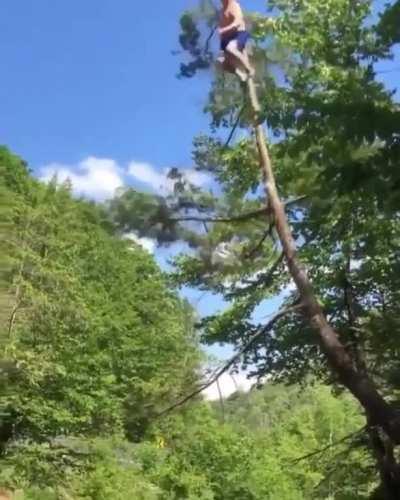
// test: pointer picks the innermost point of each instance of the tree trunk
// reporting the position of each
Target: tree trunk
(389, 470)
(381, 445)
(378, 411)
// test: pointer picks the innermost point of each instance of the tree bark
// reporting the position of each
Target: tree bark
(381, 445)
(388, 468)
(379, 412)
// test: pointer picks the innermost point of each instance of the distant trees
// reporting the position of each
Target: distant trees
(93, 339)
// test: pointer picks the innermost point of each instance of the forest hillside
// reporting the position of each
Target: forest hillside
(277, 200)
(95, 344)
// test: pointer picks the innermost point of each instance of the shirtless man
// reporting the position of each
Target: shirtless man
(232, 30)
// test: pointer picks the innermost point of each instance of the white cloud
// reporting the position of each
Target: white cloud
(98, 178)
(197, 178)
(158, 179)
(94, 178)
(147, 174)
(146, 243)
(228, 385)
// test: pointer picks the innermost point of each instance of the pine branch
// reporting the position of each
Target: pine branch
(234, 218)
(264, 279)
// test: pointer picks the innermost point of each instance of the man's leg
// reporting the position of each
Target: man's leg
(228, 63)
(245, 56)
(240, 58)
(224, 63)
(235, 66)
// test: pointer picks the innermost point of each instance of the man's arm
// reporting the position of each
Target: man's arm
(238, 19)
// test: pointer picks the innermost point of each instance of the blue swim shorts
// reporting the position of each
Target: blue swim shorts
(241, 36)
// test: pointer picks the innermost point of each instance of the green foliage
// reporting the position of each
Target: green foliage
(335, 156)
(297, 423)
(388, 27)
(251, 456)
(335, 152)
(193, 40)
(96, 341)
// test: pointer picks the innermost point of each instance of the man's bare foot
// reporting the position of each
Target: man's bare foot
(251, 72)
(243, 75)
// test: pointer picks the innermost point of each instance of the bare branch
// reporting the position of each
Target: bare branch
(235, 126)
(256, 248)
(233, 360)
(211, 34)
(13, 317)
(339, 459)
(221, 400)
(329, 446)
(17, 298)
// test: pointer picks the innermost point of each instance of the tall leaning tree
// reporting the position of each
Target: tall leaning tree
(322, 212)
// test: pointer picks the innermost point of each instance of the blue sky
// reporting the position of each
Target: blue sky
(97, 78)
(88, 88)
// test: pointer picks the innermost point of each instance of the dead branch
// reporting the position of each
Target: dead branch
(233, 360)
(329, 446)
